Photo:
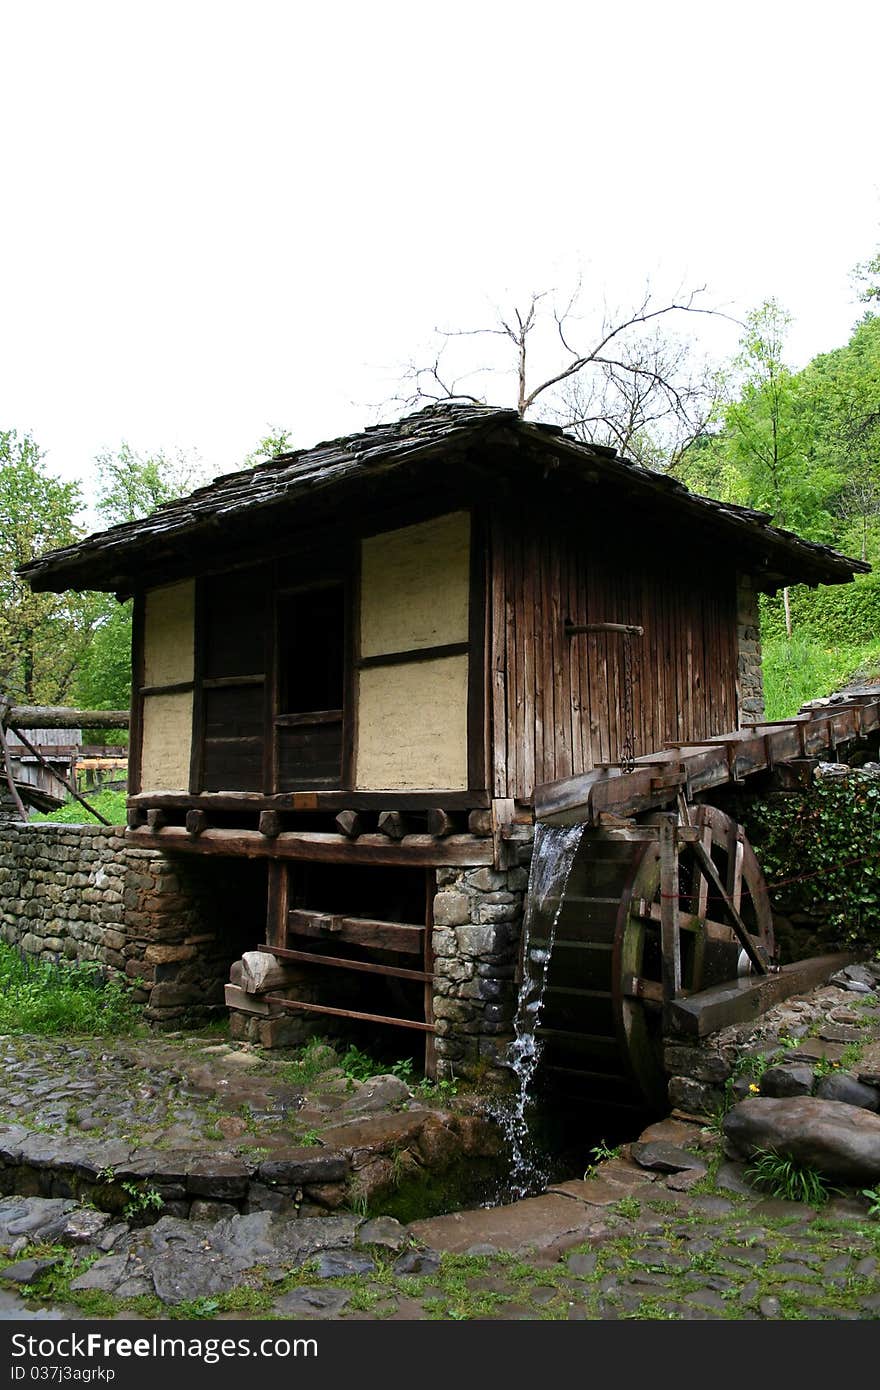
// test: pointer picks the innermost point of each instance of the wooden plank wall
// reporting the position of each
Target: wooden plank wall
(556, 700)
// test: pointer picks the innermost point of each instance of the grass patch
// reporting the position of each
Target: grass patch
(111, 805)
(805, 669)
(47, 999)
(792, 1181)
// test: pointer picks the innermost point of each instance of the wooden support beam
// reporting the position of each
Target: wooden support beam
(134, 817)
(351, 824)
(480, 822)
(196, 822)
(342, 963)
(269, 824)
(440, 823)
(315, 846)
(359, 931)
(54, 717)
(4, 748)
(393, 824)
(708, 868)
(295, 1004)
(156, 819)
(670, 942)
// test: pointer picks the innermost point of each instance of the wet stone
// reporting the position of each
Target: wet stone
(417, 1262)
(770, 1307)
(582, 1264)
(312, 1302)
(542, 1294)
(25, 1271)
(337, 1264)
(706, 1298)
(743, 1254)
(384, 1231)
(666, 1158)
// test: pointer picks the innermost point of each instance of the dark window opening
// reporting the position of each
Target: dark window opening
(311, 685)
(311, 628)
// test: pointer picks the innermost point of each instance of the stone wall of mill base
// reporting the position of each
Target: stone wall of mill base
(172, 925)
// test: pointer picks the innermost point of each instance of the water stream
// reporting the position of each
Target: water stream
(553, 856)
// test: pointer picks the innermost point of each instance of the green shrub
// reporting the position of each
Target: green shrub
(40, 997)
(821, 847)
(829, 614)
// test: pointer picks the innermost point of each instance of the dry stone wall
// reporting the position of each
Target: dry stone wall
(477, 926)
(749, 678)
(80, 893)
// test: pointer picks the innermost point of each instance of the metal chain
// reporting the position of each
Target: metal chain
(626, 756)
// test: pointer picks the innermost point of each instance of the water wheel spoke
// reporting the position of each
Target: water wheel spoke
(709, 869)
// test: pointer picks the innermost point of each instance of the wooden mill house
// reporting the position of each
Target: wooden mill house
(357, 662)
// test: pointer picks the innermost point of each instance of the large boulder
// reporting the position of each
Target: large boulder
(840, 1141)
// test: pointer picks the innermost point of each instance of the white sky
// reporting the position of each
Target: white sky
(220, 216)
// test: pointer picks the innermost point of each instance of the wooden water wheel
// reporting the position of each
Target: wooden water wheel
(602, 1015)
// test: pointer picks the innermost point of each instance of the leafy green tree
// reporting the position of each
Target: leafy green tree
(131, 485)
(41, 635)
(843, 393)
(275, 441)
(103, 675)
(867, 277)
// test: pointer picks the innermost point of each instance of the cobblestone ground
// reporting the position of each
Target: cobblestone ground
(670, 1232)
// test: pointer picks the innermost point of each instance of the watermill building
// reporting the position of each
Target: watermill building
(360, 668)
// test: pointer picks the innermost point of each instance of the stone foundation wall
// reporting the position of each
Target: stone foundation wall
(749, 677)
(477, 927)
(79, 893)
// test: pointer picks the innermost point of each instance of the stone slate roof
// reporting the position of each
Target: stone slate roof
(111, 559)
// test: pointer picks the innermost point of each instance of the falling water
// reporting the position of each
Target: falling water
(555, 848)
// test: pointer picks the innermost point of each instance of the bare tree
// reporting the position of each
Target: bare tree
(623, 382)
(651, 405)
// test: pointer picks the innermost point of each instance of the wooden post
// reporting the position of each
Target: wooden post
(670, 944)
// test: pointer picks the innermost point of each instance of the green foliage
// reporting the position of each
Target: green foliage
(110, 804)
(784, 1177)
(873, 1196)
(600, 1153)
(103, 676)
(629, 1207)
(143, 1197)
(358, 1065)
(40, 634)
(830, 615)
(275, 441)
(39, 997)
(131, 485)
(821, 844)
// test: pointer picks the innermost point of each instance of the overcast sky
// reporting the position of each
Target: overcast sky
(223, 216)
